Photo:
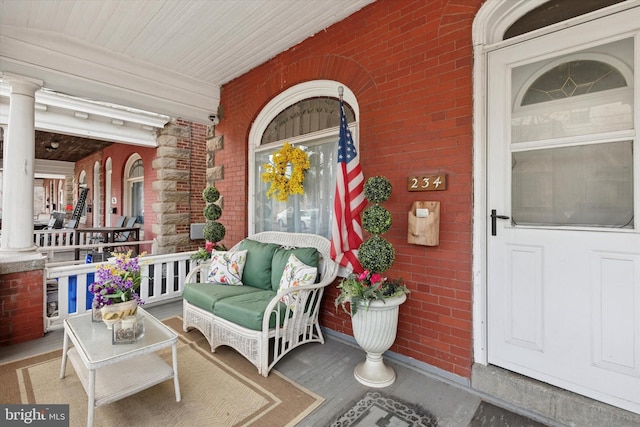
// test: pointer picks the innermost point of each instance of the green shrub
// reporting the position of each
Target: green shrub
(214, 231)
(376, 254)
(212, 212)
(376, 219)
(377, 189)
(210, 194)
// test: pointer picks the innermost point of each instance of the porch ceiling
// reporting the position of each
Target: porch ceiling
(164, 56)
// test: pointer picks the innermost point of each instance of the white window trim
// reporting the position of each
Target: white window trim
(96, 194)
(311, 89)
(127, 184)
(108, 191)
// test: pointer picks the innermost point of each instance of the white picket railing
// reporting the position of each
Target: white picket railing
(55, 241)
(66, 291)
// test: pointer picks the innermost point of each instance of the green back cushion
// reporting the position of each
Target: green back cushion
(257, 269)
(206, 295)
(248, 310)
(308, 256)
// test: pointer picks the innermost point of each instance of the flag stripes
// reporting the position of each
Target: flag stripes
(349, 201)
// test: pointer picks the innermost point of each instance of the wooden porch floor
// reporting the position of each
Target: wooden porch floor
(326, 369)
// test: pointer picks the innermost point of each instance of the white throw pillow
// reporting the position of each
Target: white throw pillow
(226, 267)
(296, 273)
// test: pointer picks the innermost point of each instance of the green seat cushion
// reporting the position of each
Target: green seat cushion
(247, 310)
(308, 256)
(257, 269)
(206, 295)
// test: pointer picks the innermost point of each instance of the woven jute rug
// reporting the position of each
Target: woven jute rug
(218, 389)
(377, 409)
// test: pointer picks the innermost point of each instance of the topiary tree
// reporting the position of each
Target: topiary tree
(376, 254)
(213, 231)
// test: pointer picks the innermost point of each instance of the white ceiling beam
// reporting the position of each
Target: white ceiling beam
(119, 82)
(78, 117)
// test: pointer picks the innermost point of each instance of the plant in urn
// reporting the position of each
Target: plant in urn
(373, 299)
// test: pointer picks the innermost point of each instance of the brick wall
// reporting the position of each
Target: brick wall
(21, 306)
(409, 64)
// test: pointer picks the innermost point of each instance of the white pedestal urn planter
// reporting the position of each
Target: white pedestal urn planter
(374, 328)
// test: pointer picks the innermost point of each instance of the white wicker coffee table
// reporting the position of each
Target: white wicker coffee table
(98, 362)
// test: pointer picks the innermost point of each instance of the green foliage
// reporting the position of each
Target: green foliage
(366, 287)
(376, 254)
(214, 231)
(377, 189)
(376, 219)
(210, 194)
(212, 212)
(200, 255)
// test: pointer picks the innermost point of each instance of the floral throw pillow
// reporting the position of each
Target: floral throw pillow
(295, 273)
(226, 267)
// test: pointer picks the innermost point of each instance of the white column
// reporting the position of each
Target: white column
(18, 164)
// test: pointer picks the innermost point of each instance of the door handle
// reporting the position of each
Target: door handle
(495, 216)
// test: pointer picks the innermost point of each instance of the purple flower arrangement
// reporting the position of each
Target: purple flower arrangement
(118, 282)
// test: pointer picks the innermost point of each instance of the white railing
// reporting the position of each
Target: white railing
(51, 242)
(54, 238)
(66, 286)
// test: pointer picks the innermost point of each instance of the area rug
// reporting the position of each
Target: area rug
(218, 389)
(376, 409)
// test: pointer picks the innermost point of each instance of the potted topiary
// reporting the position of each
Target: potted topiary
(213, 231)
(374, 301)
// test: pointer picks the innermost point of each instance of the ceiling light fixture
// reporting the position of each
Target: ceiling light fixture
(53, 146)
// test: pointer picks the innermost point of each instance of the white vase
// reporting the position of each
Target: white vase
(114, 312)
(374, 328)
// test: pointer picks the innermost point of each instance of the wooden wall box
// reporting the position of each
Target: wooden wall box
(424, 230)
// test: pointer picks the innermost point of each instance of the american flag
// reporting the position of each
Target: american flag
(349, 201)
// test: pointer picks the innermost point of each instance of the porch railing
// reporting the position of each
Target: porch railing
(59, 240)
(66, 286)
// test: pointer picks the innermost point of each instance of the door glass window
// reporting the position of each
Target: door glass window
(590, 185)
(572, 139)
(581, 96)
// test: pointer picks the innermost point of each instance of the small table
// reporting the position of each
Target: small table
(100, 365)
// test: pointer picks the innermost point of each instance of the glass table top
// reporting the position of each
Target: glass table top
(95, 339)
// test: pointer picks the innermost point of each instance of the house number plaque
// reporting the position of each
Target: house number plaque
(427, 183)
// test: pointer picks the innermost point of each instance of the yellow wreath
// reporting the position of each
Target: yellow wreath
(276, 172)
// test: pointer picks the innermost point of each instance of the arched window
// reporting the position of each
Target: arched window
(554, 11)
(96, 194)
(134, 188)
(107, 192)
(577, 95)
(306, 116)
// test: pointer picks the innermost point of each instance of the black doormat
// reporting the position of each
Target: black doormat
(488, 415)
(376, 409)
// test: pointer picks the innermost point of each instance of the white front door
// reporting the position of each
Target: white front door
(563, 177)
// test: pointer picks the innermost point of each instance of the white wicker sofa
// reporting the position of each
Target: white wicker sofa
(249, 334)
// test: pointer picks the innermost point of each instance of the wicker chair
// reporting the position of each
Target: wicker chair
(300, 325)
